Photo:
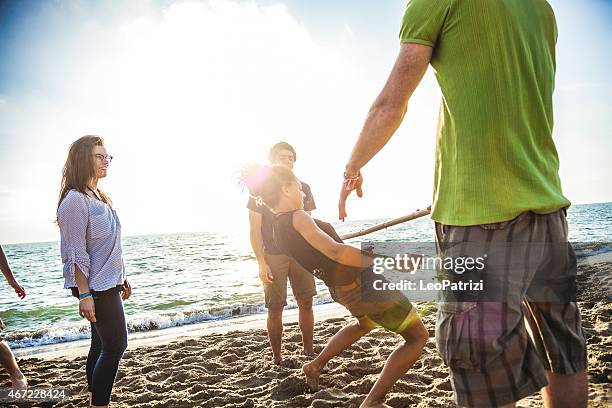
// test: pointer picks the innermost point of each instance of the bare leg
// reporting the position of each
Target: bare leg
(402, 358)
(306, 319)
(566, 390)
(342, 340)
(7, 360)
(275, 331)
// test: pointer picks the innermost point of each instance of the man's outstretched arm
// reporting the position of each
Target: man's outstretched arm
(387, 112)
(389, 108)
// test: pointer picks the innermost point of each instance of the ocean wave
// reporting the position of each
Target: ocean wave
(41, 337)
(584, 250)
(180, 318)
(143, 323)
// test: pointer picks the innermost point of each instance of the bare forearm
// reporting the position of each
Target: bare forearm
(387, 112)
(382, 121)
(81, 280)
(4, 266)
(257, 245)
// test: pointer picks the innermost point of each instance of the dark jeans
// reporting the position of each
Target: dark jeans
(108, 342)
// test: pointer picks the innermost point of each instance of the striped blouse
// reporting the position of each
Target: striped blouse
(90, 238)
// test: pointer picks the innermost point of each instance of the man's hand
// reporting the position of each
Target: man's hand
(348, 185)
(19, 290)
(265, 274)
(87, 309)
(127, 290)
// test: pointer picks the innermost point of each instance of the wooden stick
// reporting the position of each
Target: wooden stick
(409, 217)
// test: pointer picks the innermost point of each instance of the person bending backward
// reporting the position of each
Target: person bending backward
(7, 360)
(93, 261)
(496, 180)
(316, 247)
(275, 267)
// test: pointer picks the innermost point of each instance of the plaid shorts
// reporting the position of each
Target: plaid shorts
(498, 351)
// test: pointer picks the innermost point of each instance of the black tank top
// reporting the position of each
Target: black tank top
(314, 261)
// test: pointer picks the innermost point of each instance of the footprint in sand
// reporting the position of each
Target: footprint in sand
(157, 376)
(190, 360)
(361, 387)
(329, 398)
(288, 387)
(444, 386)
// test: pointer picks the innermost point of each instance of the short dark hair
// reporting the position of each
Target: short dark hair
(281, 146)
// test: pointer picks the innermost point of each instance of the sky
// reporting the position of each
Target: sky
(185, 92)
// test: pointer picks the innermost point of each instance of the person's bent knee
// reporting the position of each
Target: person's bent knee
(365, 325)
(416, 333)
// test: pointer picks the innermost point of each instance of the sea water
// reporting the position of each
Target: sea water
(181, 279)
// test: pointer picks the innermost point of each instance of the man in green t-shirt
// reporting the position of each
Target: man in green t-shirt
(496, 180)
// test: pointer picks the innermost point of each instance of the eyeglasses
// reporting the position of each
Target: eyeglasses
(103, 157)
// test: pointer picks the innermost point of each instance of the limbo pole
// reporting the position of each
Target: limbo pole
(390, 223)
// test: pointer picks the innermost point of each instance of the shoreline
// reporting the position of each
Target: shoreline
(78, 348)
(322, 311)
(232, 368)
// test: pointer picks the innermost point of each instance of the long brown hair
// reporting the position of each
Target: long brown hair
(79, 168)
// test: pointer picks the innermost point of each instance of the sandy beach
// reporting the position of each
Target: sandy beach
(230, 367)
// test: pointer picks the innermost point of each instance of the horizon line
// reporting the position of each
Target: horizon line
(231, 230)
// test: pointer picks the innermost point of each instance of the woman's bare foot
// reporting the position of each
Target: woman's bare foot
(312, 373)
(277, 361)
(311, 354)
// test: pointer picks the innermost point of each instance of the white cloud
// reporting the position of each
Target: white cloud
(187, 94)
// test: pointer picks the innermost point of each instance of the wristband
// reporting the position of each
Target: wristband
(84, 295)
(349, 177)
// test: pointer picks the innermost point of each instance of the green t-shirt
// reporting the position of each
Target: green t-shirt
(495, 63)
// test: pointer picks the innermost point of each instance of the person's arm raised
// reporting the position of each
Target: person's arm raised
(386, 114)
(341, 253)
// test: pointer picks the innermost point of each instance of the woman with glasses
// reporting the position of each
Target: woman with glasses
(93, 261)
